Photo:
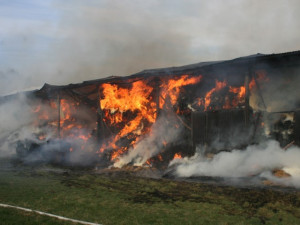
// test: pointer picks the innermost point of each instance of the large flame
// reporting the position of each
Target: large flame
(130, 109)
(134, 109)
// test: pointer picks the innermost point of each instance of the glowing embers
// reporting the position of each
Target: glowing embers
(44, 111)
(128, 110)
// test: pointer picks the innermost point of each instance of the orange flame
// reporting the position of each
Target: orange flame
(177, 156)
(129, 110)
(261, 76)
(240, 93)
(219, 85)
(137, 101)
(65, 113)
(171, 88)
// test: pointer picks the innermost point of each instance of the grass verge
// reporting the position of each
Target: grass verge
(120, 198)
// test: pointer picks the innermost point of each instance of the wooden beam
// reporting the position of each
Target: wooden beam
(58, 115)
(259, 91)
(99, 117)
(247, 97)
(157, 82)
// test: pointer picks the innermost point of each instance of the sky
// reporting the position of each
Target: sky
(63, 41)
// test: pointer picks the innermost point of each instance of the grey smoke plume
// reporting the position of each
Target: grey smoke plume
(257, 160)
(279, 93)
(61, 42)
(17, 123)
(162, 131)
(57, 151)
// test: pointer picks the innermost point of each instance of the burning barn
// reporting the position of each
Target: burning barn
(156, 115)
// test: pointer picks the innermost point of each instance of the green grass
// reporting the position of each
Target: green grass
(120, 198)
(16, 217)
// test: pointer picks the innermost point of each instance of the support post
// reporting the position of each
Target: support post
(247, 97)
(297, 127)
(58, 115)
(192, 133)
(206, 129)
(99, 117)
(259, 92)
(157, 95)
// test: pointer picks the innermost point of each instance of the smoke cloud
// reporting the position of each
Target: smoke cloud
(20, 135)
(163, 131)
(256, 160)
(61, 42)
(15, 119)
(288, 96)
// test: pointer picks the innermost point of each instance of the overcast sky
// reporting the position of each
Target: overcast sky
(69, 41)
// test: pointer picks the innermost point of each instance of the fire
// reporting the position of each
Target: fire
(219, 85)
(160, 158)
(240, 93)
(119, 100)
(65, 113)
(130, 109)
(260, 76)
(171, 88)
(224, 96)
(67, 121)
(116, 153)
(42, 113)
(63, 122)
(177, 156)
(148, 162)
(42, 137)
(37, 109)
(84, 137)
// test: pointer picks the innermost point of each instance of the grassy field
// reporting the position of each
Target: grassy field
(121, 198)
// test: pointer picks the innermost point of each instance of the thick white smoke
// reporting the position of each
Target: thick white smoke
(15, 119)
(19, 135)
(256, 160)
(162, 131)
